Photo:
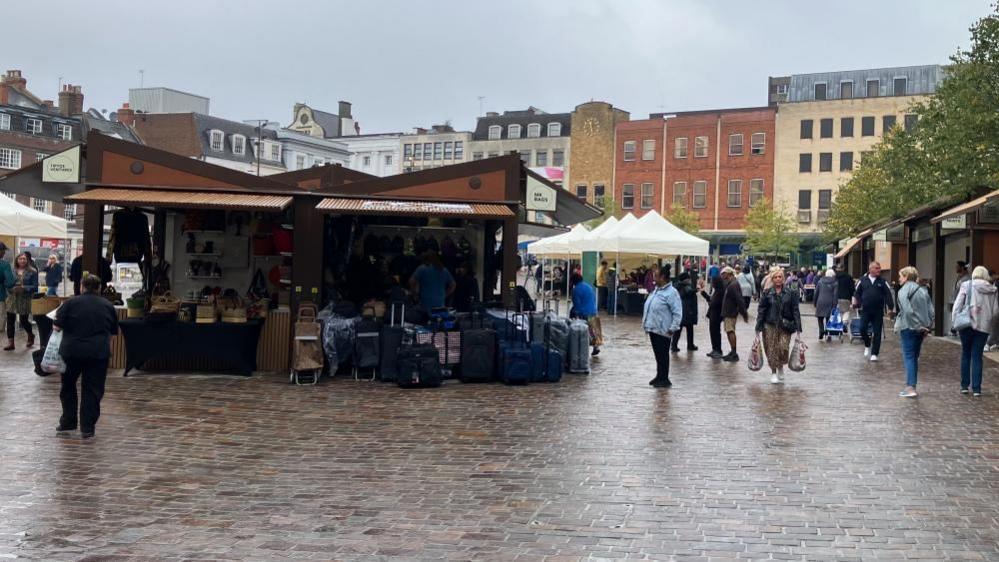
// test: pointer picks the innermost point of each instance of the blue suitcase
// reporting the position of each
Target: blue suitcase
(515, 361)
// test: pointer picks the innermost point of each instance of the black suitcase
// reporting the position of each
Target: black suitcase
(418, 367)
(367, 351)
(391, 339)
(478, 352)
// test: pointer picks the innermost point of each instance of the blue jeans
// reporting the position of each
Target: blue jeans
(912, 344)
(972, 346)
(52, 292)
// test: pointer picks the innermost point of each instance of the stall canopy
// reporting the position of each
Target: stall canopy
(968, 207)
(25, 222)
(654, 235)
(852, 243)
(560, 245)
(603, 238)
(182, 199)
(396, 207)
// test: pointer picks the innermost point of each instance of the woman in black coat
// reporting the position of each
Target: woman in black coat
(688, 298)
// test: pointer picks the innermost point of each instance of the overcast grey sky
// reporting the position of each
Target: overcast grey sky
(406, 63)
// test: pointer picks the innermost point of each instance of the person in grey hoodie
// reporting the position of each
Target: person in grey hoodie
(979, 294)
(825, 300)
(913, 324)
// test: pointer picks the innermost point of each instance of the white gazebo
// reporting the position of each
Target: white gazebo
(20, 221)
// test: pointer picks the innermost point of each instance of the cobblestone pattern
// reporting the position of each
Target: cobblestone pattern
(832, 466)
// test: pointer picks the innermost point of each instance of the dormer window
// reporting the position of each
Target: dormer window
(33, 126)
(65, 132)
(513, 132)
(275, 153)
(554, 129)
(495, 132)
(239, 144)
(534, 130)
(216, 137)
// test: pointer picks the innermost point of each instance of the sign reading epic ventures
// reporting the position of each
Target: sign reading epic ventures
(63, 167)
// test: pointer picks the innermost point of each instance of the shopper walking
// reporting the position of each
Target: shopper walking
(6, 281)
(825, 299)
(978, 297)
(661, 320)
(715, 315)
(53, 275)
(87, 323)
(19, 300)
(778, 318)
(873, 295)
(913, 323)
(845, 287)
(584, 307)
(733, 306)
(747, 283)
(688, 301)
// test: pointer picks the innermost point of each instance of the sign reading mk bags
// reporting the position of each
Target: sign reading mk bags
(540, 197)
(63, 167)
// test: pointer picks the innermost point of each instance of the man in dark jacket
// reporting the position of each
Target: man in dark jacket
(873, 295)
(87, 323)
(733, 306)
(714, 315)
(845, 286)
(688, 298)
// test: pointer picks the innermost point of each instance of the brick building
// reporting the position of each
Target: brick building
(591, 163)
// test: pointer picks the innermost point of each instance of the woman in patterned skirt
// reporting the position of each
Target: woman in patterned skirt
(19, 300)
(778, 318)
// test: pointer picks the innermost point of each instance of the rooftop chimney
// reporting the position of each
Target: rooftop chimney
(492, 114)
(126, 115)
(344, 109)
(49, 105)
(70, 100)
(12, 80)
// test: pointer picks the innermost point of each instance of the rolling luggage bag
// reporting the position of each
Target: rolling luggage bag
(548, 328)
(855, 334)
(579, 347)
(418, 366)
(392, 337)
(478, 352)
(515, 358)
(367, 351)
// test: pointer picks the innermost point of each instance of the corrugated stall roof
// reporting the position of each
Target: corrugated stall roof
(340, 205)
(189, 199)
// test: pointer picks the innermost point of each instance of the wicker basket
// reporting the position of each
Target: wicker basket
(165, 303)
(44, 305)
(233, 310)
(205, 314)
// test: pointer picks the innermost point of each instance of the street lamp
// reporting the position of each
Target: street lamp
(260, 144)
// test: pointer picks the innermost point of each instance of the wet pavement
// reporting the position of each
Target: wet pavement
(831, 466)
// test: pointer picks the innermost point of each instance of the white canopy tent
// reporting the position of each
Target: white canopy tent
(654, 235)
(599, 239)
(558, 245)
(24, 222)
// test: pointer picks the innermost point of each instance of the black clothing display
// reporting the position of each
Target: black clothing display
(129, 242)
(233, 344)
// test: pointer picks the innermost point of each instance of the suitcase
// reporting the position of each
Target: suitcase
(478, 352)
(367, 351)
(515, 357)
(855, 333)
(547, 362)
(579, 347)
(392, 337)
(418, 366)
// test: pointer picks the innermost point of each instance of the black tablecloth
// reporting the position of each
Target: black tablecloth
(235, 345)
(631, 303)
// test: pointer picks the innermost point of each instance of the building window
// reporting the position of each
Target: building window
(4, 122)
(554, 129)
(69, 212)
(39, 156)
(825, 199)
(10, 158)
(629, 151)
(782, 89)
(558, 157)
(428, 151)
(911, 120)
(735, 145)
(493, 154)
(820, 91)
(758, 143)
(598, 195)
(541, 158)
(65, 132)
(867, 126)
(407, 151)
(33, 126)
(845, 90)
(701, 147)
(476, 156)
(459, 150)
(388, 159)
(700, 194)
(887, 124)
(649, 149)
(755, 191)
(275, 152)
(735, 193)
(805, 163)
(216, 140)
(581, 191)
(804, 199)
(513, 132)
(418, 151)
(846, 127)
(873, 88)
(646, 195)
(317, 161)
(238, 144)
(825, 162)
(680, 193)
(448, 150)
(806, 128)
(825, 128)
(900, 86)
(495, 131)
(534, 130)
(680, 148)
(845, 161)
(299, 161)
(628, 196)
(39, 205)
(366, 161)
(438, 150)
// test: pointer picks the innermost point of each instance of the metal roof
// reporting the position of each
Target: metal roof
(966, 207)
(184, 199)
(340, 205)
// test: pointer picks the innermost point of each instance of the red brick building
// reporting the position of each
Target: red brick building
(716, 163)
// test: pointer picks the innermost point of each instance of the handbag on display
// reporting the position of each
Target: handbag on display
(111, 294)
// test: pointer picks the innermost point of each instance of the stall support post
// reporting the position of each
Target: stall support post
(508, 279)
(93, 231)
(939, 271)
(307, 254)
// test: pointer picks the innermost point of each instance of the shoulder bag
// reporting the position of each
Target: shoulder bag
(962, 318)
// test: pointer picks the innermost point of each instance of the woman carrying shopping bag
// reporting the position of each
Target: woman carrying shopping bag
(779, 318)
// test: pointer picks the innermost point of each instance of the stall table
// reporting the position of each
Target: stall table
(233, 345)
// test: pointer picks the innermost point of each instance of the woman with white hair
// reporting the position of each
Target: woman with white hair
(825, 300)
(976, 301)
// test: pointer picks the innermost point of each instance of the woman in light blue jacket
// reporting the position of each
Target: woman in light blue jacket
(913, 323)
(661, 319)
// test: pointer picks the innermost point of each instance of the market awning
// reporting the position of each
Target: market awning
(852, 243)
(182, 199)
(395, 207)
(965, 208)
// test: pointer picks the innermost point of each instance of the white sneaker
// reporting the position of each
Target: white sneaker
(775, 379)
(874, 358)
(867, 352)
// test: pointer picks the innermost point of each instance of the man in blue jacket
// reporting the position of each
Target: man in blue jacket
(584, 305)
(661, 319)
(873, 296)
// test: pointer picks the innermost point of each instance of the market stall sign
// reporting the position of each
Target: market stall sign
(417, 207)
(540, 197)
(63, 167)
(955, 223)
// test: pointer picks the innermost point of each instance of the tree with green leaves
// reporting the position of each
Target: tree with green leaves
(686, 220)
(770, 231)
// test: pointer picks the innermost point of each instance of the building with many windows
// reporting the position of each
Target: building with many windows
(827, 121)
(440, 145)
(541, 139)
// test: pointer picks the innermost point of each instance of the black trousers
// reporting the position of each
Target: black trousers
(690, 337)
(660, 348)
(601, 298)
(714, 330)
(12, 324)
(822, 326)
(872, 322)
(95, 374)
